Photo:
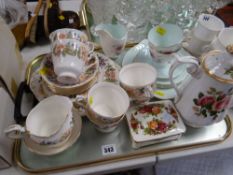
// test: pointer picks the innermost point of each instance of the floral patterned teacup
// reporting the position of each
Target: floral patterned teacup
(69, 57)
(105, 105)
(48, 123)
(138, 80)
(67, 33)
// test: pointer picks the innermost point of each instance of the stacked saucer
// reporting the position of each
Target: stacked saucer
(51, 126)
(86, 79)
(108, 71)
(71, 68)
(53, 149)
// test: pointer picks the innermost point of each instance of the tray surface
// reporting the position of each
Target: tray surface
(87, 152)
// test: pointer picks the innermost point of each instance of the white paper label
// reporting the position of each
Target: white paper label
(109, 149)
(71, 21)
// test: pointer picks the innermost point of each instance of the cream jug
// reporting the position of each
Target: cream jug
(113, 38)
(206, 98)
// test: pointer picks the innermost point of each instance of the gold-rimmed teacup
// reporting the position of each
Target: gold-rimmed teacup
(138, 80)
(105, 105)
(86, 79)
(45, 125)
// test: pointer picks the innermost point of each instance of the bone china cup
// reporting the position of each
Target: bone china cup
(105, 105)
(138, 80)
(224, 38)
(69, 58)
(207, 27)
(48, 123)
(67, 33)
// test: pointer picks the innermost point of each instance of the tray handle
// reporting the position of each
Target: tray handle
(23, 88)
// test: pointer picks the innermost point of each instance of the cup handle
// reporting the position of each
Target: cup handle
(15, 131)
(193, 70)
(149, 90)
(147, 94)
(80, 104)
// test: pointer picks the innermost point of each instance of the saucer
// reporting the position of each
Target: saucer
(141, 53)
(154, 121)
(57, 148)
(50, 78)
(107, 71)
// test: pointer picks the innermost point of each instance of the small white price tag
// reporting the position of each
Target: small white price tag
(71, 21)
(108, 149)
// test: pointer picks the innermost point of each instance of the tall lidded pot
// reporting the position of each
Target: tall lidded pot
(205, 100)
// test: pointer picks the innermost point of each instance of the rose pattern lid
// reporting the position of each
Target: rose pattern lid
(155, 120)
(219, 65)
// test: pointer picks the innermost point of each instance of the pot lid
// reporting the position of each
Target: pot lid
(219, 65)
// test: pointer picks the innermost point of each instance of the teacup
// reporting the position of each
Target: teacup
(48, 123)
(69, 57)
(221, 41)
(67, 33)
(207, 27)
(224, 38)
(138, 80)
(165, 39)
(105, 105)
(195, 45)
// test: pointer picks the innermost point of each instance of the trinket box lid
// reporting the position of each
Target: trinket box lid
(154, 121)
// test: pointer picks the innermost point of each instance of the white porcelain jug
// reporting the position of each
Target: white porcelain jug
(113, 38)
(206, 98)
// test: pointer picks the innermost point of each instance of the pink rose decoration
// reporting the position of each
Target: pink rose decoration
(206, 100)
(212, 104)
(222, 104)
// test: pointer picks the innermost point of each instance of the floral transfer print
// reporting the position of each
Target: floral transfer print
(154, 119)
(70, 49)
(229, 72)
(102, 60)
(139, 94)
(69, 35)
(108, 69)
(110, 73)
(63, 138)
(212, 103)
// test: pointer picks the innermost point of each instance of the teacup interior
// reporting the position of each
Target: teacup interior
(137, 75)
(48, 116)
(108, 100)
